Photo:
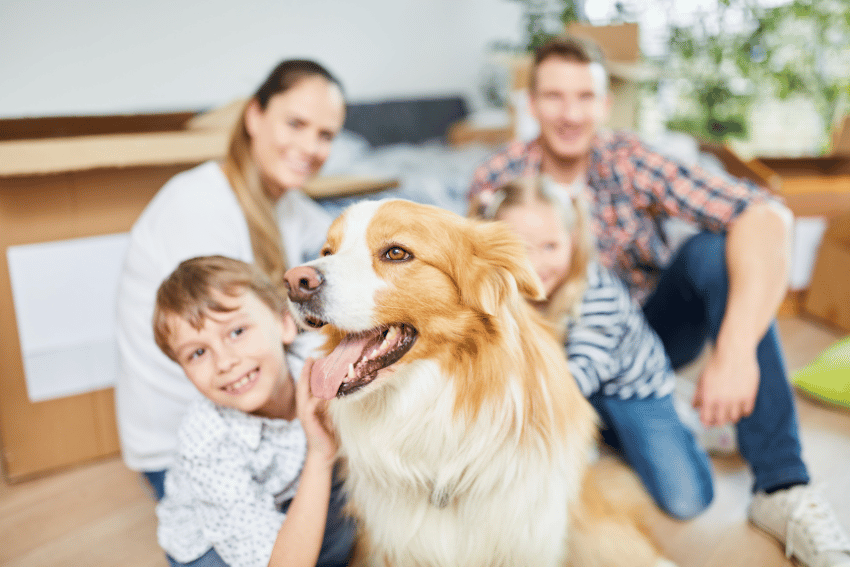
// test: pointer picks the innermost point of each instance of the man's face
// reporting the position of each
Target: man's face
(569, 105)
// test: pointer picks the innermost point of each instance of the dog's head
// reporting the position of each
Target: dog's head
(399, 281)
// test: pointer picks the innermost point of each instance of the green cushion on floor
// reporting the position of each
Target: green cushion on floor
(827, 378)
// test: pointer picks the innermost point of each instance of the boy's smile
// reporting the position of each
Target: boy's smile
(236, 358)
(243, 384)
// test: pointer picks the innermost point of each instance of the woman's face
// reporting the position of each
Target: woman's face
(291, 138)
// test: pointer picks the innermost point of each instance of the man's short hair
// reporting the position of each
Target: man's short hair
(570, 48)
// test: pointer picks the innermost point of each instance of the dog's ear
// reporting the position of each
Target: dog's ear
(498, 270)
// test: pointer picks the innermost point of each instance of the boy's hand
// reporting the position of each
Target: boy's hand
(312, 412)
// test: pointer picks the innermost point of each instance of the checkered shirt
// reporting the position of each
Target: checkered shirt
(632, 189)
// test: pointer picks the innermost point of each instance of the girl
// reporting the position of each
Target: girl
(247, 207)
(616, 358)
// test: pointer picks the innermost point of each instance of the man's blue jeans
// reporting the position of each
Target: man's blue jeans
(686, 310)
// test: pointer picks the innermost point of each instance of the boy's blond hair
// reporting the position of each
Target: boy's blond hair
(572, 210)
(190, 293)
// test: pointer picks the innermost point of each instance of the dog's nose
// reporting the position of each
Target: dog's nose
(302, 282)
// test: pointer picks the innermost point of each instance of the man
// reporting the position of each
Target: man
(724, 284)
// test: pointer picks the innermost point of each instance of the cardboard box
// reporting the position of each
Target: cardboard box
(816, 189)
(752, 170)
(828, 297)
(841, 137)
(620, 43)
(77, 185)
(810, 175)
(466, 132)
(812, 213)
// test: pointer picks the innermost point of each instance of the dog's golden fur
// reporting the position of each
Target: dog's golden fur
(471, 450)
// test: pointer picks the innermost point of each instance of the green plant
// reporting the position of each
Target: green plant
(542, 19)
(710, 66)
(741, 54)
(804, 49)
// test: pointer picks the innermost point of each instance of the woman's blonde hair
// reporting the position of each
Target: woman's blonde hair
(244, 175)
(190, 293)
(573, 212)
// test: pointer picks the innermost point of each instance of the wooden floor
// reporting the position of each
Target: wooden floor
(100, 514)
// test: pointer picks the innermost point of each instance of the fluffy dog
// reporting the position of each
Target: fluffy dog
(466, 439)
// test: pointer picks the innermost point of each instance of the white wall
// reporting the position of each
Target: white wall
(106, 56)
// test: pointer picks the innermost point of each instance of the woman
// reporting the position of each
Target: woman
(248, 207)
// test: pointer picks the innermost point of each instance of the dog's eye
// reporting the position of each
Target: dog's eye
(326, 251)
(397, 254)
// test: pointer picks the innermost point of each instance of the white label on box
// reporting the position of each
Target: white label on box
(64, 294)
(808, 232)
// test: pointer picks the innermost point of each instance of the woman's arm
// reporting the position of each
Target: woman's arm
(758, 258)
(300, 537)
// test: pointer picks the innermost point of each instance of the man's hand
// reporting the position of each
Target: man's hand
(758, 248)
(727, 387)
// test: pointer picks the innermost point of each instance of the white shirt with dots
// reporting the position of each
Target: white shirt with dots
(232, 473)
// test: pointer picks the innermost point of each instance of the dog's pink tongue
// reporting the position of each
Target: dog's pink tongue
(328, 373)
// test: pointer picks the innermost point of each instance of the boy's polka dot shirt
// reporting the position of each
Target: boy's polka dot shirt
(232, 473)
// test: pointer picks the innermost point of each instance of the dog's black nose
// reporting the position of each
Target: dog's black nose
(302, 282)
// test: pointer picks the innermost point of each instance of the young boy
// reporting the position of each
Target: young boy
(253, 481)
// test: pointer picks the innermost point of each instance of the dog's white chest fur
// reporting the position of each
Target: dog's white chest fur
(459, 494)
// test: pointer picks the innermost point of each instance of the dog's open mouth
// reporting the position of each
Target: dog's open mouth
(355, 362)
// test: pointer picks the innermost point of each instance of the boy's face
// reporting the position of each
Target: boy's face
(549, 246)
(569, 107)
(236, 358)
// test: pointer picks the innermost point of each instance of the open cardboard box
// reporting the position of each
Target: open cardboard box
(77, 177)
(828, 297)
(817, 189)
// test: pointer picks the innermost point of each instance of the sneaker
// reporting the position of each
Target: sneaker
(717, 441)
(801, 517)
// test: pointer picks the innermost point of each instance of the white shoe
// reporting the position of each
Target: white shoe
(717, 441)
(801, 518)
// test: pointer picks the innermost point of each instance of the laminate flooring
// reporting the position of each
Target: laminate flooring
(101, 515)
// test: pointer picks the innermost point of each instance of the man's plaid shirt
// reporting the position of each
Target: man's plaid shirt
(631, 190)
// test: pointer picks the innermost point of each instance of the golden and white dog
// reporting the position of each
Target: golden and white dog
(465, 437)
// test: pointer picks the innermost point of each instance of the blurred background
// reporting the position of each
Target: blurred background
(771, 77)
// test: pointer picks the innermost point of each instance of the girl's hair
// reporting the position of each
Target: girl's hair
(244, 175)
(190, 293)
(572, 210)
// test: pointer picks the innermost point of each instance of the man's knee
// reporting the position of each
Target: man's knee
(704, 256)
